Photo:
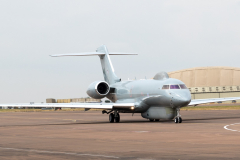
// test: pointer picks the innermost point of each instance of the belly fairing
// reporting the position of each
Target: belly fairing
(156, 112)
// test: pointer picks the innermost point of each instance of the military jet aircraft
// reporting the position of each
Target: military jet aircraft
(157, 98)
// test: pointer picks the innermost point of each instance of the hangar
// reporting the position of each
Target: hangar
(210, 82)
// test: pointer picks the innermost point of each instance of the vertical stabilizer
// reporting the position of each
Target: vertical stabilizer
(108, 70)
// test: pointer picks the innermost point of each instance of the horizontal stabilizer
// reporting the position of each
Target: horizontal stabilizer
(119, 53)
(90, 54)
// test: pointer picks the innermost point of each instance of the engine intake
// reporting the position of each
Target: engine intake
(98, 89)
(102, 88)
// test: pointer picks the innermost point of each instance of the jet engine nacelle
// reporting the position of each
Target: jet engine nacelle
(98, 89)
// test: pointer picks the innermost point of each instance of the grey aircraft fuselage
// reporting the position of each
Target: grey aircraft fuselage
(150, 98)
(144, 90)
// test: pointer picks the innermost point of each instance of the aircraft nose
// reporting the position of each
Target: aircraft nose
(181, 100)
(184, 101)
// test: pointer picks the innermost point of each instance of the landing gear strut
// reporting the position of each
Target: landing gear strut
(178, 118)
(114, 117)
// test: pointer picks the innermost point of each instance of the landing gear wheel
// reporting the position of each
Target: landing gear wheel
(111, 117)
(179, 120)
(156, 120)
(176, 120)
(151, 120)
(117, 119)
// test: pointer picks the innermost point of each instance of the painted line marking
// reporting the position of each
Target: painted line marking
(55, 152)
(141, 131)
(226, 127)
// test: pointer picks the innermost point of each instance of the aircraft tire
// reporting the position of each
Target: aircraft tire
(151, 120)
(179, 120)
(176, 120)
(117, 119)
(111, 117)
(157, 120)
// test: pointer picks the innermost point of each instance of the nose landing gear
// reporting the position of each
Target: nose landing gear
(178, 118)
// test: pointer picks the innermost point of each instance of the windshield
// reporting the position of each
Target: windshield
(165, 87)
(183, 86)
(174, 86)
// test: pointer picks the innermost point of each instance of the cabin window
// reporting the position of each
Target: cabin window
(174, 87)
(183, 86)
(165, 87)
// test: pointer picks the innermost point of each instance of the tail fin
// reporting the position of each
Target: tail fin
(107, 67)
(108, 71)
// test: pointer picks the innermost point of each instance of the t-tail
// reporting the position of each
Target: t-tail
(108, 71)
(107, 67)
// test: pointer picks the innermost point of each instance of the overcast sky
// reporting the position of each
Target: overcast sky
(168, 35)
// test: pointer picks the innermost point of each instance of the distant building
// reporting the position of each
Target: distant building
(50, 100)
(73, 100)
(210, 82)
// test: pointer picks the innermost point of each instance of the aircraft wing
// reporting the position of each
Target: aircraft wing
(75, 105)
(202, 101)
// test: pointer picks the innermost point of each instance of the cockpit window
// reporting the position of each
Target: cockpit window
(174, 87)
(183, 86)
(165, 87)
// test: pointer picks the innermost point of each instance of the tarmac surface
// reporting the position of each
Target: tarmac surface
(88, 135)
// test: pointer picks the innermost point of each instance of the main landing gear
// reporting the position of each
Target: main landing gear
(178, 118)
(114, 117)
